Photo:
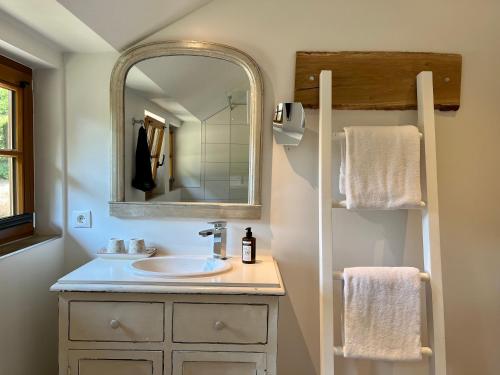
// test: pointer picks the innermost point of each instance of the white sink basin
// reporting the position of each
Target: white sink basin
(180, 266)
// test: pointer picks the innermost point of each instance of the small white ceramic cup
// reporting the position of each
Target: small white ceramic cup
(136, 245)
(116, 245)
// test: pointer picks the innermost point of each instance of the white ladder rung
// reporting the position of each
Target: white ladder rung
(343, 204)
(425, 350)
(341, 135)
(337, 275)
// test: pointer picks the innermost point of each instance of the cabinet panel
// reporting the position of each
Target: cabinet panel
(113, 362)
(218, 363)
(116, 321)
(114, 367)
(220, 323)
(218, 368)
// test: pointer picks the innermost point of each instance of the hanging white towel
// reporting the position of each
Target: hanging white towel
(342, 167)
(382, 313)
(381, 167)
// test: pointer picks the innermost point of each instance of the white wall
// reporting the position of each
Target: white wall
(28, 343)
(467, 162)
(187, 160)
(49, 149)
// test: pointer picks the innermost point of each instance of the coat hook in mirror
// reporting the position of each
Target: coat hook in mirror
(135, 122)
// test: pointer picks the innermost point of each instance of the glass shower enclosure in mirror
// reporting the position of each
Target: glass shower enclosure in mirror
(191, 134)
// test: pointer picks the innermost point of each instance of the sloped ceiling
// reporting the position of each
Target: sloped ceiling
(122, 23)
(90, 26)
(54, 22)
(199, 85)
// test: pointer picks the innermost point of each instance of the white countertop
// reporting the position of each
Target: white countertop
(114, 275)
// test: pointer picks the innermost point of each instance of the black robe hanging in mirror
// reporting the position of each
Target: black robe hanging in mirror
(143, 179)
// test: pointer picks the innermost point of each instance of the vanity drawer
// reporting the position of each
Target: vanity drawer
(116, 321)
(216, 323)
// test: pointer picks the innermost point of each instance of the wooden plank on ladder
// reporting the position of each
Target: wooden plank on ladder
(325, 224)
(430, 226)
(378, 80)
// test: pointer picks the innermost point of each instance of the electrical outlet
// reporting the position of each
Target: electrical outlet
(82, 219)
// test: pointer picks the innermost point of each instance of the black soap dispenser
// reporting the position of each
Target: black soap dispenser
(248, 247)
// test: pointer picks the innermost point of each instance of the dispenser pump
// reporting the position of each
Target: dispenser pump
(248, 247)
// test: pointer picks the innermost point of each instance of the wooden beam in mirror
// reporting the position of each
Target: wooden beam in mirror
(195, 150)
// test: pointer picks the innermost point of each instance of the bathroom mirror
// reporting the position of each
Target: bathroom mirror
(289, 123)
(186, 120)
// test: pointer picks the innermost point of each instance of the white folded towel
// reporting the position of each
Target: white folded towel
(380, 168)
(382, 313)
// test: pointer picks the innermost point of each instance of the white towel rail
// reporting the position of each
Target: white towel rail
(341, 135)
(430, 228)
(343, 204)
(339, 351)
(424, 276)
(327, 362)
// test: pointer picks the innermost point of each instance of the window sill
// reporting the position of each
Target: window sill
(15, 247)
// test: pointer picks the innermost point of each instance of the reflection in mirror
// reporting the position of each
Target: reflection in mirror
(192, 141)
(289, 123)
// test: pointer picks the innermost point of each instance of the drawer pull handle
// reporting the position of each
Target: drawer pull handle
(219, 325)
(114, 324)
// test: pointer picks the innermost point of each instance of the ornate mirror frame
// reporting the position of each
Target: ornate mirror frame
(117, 205)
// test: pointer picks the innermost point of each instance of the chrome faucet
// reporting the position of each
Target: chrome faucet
(219, 238)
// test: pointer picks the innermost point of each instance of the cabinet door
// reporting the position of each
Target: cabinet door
(114, 362)
(218, 363)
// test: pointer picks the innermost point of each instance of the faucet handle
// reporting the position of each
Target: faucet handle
(218, 224)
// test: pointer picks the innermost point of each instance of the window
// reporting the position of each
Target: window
(16, 151)
(153, 116)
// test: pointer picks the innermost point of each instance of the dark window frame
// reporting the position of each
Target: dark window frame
(19, 78)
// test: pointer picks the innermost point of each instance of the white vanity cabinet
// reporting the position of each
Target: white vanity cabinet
(167, 334)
